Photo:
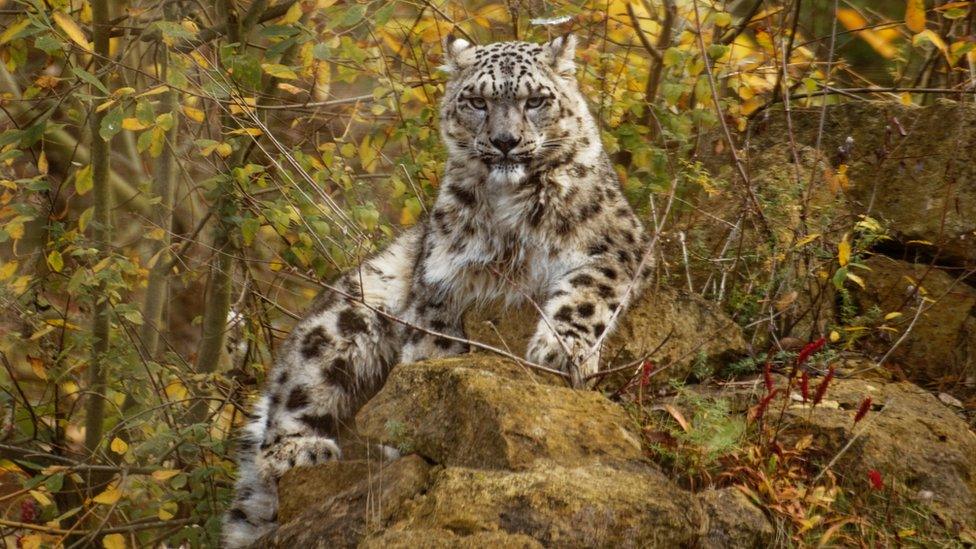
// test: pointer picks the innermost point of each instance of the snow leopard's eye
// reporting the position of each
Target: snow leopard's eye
(477, 103)
(536, 101)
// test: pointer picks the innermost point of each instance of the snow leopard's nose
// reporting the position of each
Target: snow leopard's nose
(505, 142)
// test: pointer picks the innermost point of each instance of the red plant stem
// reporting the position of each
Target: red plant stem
(822, 388)
(809, 349)
(862, 410)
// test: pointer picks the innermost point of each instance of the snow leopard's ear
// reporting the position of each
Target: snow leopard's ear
(458, 54)
(561, 52)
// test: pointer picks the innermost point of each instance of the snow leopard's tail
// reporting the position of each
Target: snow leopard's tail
(254, 511)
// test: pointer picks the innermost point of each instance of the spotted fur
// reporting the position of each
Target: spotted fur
(529, 208)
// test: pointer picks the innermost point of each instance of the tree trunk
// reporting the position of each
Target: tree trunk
(102, 234)
(164, 186)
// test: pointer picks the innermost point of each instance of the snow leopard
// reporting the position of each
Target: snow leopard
(529, 208)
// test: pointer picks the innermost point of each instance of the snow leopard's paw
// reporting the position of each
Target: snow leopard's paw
(299, 451)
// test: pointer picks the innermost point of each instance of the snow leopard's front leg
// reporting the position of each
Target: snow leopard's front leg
(434, 312)
(333, 361)
(578, 312)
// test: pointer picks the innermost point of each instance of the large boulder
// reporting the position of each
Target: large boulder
(505, 457)
(941, 344)
(337, 504)
(587, 506)
(733, 520)
(488, 412)
(439, 538)
(912, 167)
(691, 335)
(918, 445)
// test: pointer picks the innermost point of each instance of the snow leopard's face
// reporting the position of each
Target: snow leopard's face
(512, 106)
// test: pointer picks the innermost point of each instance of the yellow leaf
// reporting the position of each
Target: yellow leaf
(33, 541)
(15, 229)
(279, 71)
(167, 510)
(844, 251)
(83, 180)
(834, 336)
(367, 155)
(253, 132)
(72, 29)
(852, 21)
(915, 15)
(293, 14)
(751, 105)
(807, 239)
(113, 541)
(928, 35)
(37, 366)
(156, 142)
(154, 91)
(55, 261)
(165, 474)
(856, 279)
(224, 150)
(41, 498)
(892, 315)
(85, 218)
(190, 26)
(175, 391)
(105, 105)
(111, 495)
(119, 446)
(12, 30)
(7, 270)
(10, 467)
(42, 165)
(289, 88)
(133, 124)
(193, 114)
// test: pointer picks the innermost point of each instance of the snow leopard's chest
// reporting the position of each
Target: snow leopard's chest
(498, 258)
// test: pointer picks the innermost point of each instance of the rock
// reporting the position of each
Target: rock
(679, 328)
(733, 520)
(589, 506)
(336, 504)
(943, 341)
(486, 412)
(913, 167)
(436, 538)
(912, 439)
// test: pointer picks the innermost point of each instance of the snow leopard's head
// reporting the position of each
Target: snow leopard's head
(513, 106)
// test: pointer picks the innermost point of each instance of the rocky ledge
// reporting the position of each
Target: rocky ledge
(498, 456)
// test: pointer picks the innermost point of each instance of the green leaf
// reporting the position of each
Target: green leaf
(90, 79)
(165, 121)
(249, 228)
(85, 218)
(111, 124)
(145, 112)
(321, 51)
(55, 261)
(382, 15)
(83, 180)
(144, 141)
(279, 71)
(48, 43)
(716, 51)
(353, 15)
